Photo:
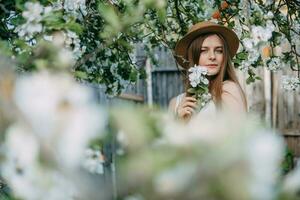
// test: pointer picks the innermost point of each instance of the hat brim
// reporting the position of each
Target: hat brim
(183, 44)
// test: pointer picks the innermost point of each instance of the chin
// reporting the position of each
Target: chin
(212, 72)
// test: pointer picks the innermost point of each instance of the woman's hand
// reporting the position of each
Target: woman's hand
(186, 108)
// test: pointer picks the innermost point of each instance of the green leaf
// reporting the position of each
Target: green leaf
(75, 27)
(81, 74)
(258, 78)
(54, 21)
(109, 15)
(250, 79)
(237, 61)
(133, 75)
(161, 13)
(231, 24)
(4, 48)
(40, 63)
(142, 73)
(242, 55)
(191, 90)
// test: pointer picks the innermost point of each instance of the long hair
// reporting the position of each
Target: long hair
(226, 72)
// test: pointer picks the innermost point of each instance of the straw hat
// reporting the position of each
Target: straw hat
(202, 28)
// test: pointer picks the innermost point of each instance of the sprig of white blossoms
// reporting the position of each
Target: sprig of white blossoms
(290, 83)
(76, 8)
(33, 15)
(197, 76)
(94, 161)
(199, 83)
(57, 118)
(72, 41)
(274, 64)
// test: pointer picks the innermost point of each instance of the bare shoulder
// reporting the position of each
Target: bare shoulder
(231, 87)
(232, 96)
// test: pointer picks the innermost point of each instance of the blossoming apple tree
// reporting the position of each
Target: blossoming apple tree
(100, 35)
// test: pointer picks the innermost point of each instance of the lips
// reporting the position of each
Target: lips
(212, 65)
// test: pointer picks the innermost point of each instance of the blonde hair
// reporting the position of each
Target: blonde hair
(227, 71)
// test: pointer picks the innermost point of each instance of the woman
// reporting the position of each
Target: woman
(212, 46)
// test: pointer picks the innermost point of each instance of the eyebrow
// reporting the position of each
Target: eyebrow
(215, 47)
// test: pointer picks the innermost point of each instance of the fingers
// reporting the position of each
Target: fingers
(189, 111)
(187, 107)
(186, 111)
(192, 99)
(190, 104)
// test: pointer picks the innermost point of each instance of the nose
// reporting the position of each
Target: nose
(212, 55)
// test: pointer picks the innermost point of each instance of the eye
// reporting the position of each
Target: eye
(219, 51)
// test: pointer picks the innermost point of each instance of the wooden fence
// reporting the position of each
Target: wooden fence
(266, 98)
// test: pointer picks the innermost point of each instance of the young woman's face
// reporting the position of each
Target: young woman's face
(212, 54)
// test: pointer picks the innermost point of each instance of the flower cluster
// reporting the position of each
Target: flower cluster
(75, 7)
(274, 64)
(33, 15)
(51, 120)
(94, 161)
(88, 24)
(206, 155)
(197, 76)
(199, 83)
(56, 120)
(290, 83)
(72, 41)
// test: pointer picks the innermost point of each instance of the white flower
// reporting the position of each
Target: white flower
(296, 26)
(22, 170)
(33, 15)
(205, 98)
(248, 43)
(269, 2)
(265, 153)
(274, 64)
(261, 34)
(28, 29)
(61, 112)
(48, 9)
(135, 197)
(270, 26)
(243, 16)
(176, 179)
(72, 41)
(238, 28)
(65, 58)
(33, 11)
(197, 75)
(269, 15)
(290, 83)
(277, 51)
(244, 66)
(93, 161)
(296, 41)
(285, 45)
(291, 182)
(21, 146)
(253, 55)
(57, 5)
(75, 7)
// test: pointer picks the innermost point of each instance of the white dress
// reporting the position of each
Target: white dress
(208, 111)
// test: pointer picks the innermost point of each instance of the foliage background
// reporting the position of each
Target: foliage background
(102, 35)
